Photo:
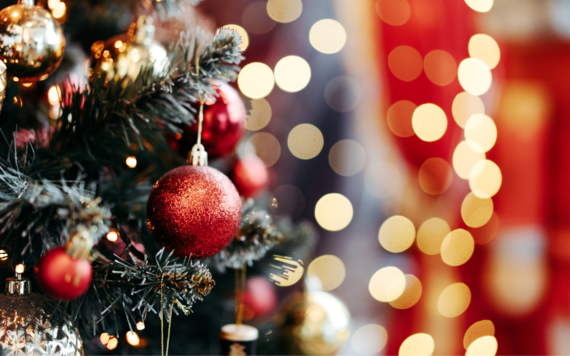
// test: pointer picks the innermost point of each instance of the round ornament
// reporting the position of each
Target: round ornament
(26, 327)
(63, 277)
(194, 210)
(124, 55)
(250, 176)
(260, 297)
(312, 323)
(222, 128)
(31, 42)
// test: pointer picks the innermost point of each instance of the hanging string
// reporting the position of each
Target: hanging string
(198, 154)
(162, 315)
(240, 291)
(169, 325)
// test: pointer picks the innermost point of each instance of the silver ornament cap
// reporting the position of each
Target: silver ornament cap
(18, 286)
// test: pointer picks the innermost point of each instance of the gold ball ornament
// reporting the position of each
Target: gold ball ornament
(31, 42)
(125, 55)
(312, 323)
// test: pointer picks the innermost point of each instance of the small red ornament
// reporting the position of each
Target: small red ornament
(250, 176)
(63, 277)
(260, 296)
(222, 128)
(194, 210)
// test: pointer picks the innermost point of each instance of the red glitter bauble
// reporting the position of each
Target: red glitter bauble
(250, 176)
(63, 277)
(194, 210)
(222, 128)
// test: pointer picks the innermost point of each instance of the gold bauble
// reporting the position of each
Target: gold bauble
(312, 323)
(31, 42)
(124, 55)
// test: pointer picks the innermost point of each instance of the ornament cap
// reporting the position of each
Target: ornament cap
(80, 244)
(27, 2)
(233, 332)
(198, 156)
(18, 286)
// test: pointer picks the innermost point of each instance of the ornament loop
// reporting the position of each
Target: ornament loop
(198, 156)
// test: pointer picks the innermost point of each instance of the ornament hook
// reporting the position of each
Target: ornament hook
(198, 155)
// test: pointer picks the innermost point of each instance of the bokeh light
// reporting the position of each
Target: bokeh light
(369, 339)
(292, 74)
(405, 63)
(394, 12)
(327, 36)
(131, 162)
(305, 141)
(242, 34)
(440, 67)
(485, 48)
(328, 271)
(256, 20)
(284, 11)
(3, 255)
(480, 133)
(267, 147)
(435, 176)
(474, 76)
(480, 5)
(429, 122)
(256, 80)
(464, 106)
(333, 212)
(383, 179)
(417, 345)
(291, 271)
(54, 95)
(397, 234)
(411, 295)
(485, 179)
(475, 211)
(259, 116)
(431, 235)
(59, 10)
(478, 330)
(464, 159)
(112, 235)
(133, 338)
(347, 158)
(457, 247)
(387, 284)
(454, 300)
(399, 118)
(342, 94)
(288, 200)
(483, 346)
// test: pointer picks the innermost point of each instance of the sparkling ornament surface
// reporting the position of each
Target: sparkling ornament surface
(313, 323)
(194, 210)
(31, 42)
(26, 330)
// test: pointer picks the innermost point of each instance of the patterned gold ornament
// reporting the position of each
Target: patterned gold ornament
(312, 323)
(124, 55)
(31, 42)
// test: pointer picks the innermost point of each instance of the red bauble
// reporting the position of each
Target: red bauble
(61, 276)
(222, 128)
(194, 210)
(260, 296)
(250, 176)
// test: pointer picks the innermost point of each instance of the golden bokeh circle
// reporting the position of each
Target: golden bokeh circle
(480, 5)
(328, 270)
(474, 76)
(483, 346)
(242, 35)
(454, 300)
(478, 330)
(369, 339)
(256, 80)
(347, 158)
(431, 235)
(393, 12)
(475, 211)
(259, 116)
(485, 179)
(399, 118)
(411, 295)
(480, 133)
(327, 36)
(387, 284)
(464, 106)
(464, 159)
(284, 11)
(485, 48)
(429, 122)
(457, 247)
(435, 176)
(267, 147)
(417, 345)
(397, 234)
(305, 141)
(292, 74)
(405, 63)
(440, 67)
(333, 212)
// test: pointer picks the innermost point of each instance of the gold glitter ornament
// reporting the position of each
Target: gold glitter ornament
(125, 55)
(312, 323)
(31, 42)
